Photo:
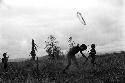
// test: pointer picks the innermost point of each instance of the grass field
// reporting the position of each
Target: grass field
(110, 68)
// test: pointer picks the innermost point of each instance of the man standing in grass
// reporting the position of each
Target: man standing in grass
(71, 54)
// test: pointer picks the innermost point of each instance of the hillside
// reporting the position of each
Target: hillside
(110, 68)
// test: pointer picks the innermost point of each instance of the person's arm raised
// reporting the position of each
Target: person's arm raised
(83, 54)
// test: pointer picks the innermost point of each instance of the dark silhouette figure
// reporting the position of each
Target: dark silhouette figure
(5, 60)
(71, 54)
(92, 54)
(33, 53)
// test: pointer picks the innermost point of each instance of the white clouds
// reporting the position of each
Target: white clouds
(68, 4)
(112, 46)
(52, 3)
(19, 25)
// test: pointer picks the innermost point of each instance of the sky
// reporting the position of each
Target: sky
(22, 20)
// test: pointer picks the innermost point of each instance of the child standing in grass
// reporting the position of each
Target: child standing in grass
(92, 54)
(5, 60)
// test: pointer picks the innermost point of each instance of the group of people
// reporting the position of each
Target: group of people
(75, 49)
(70, 55)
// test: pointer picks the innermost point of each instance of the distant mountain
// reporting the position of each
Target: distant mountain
(17, 59)
(24, 59)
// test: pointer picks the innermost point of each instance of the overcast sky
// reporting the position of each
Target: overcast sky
(22, 20)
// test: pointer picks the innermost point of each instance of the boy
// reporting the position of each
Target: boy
(71, 54)
(5, 60)
(92, 54)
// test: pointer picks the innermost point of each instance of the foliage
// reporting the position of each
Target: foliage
(52, 47)
(71, 42)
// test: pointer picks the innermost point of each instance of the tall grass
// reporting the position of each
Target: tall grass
(110, 68)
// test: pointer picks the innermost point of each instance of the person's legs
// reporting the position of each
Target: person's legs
(93, 60)
(69, 62)
(5, 66)
(75, 62)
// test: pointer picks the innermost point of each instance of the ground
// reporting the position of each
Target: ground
(110, 68)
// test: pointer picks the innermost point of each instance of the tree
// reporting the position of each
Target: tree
(52, 48)
(34, 48)
(71, 42)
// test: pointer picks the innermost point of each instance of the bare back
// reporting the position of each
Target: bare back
(73, 51)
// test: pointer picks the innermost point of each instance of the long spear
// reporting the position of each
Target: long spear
(79, 15)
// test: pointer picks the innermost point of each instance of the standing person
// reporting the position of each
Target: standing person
(71, 54)
(92, 54)
(5, 60)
